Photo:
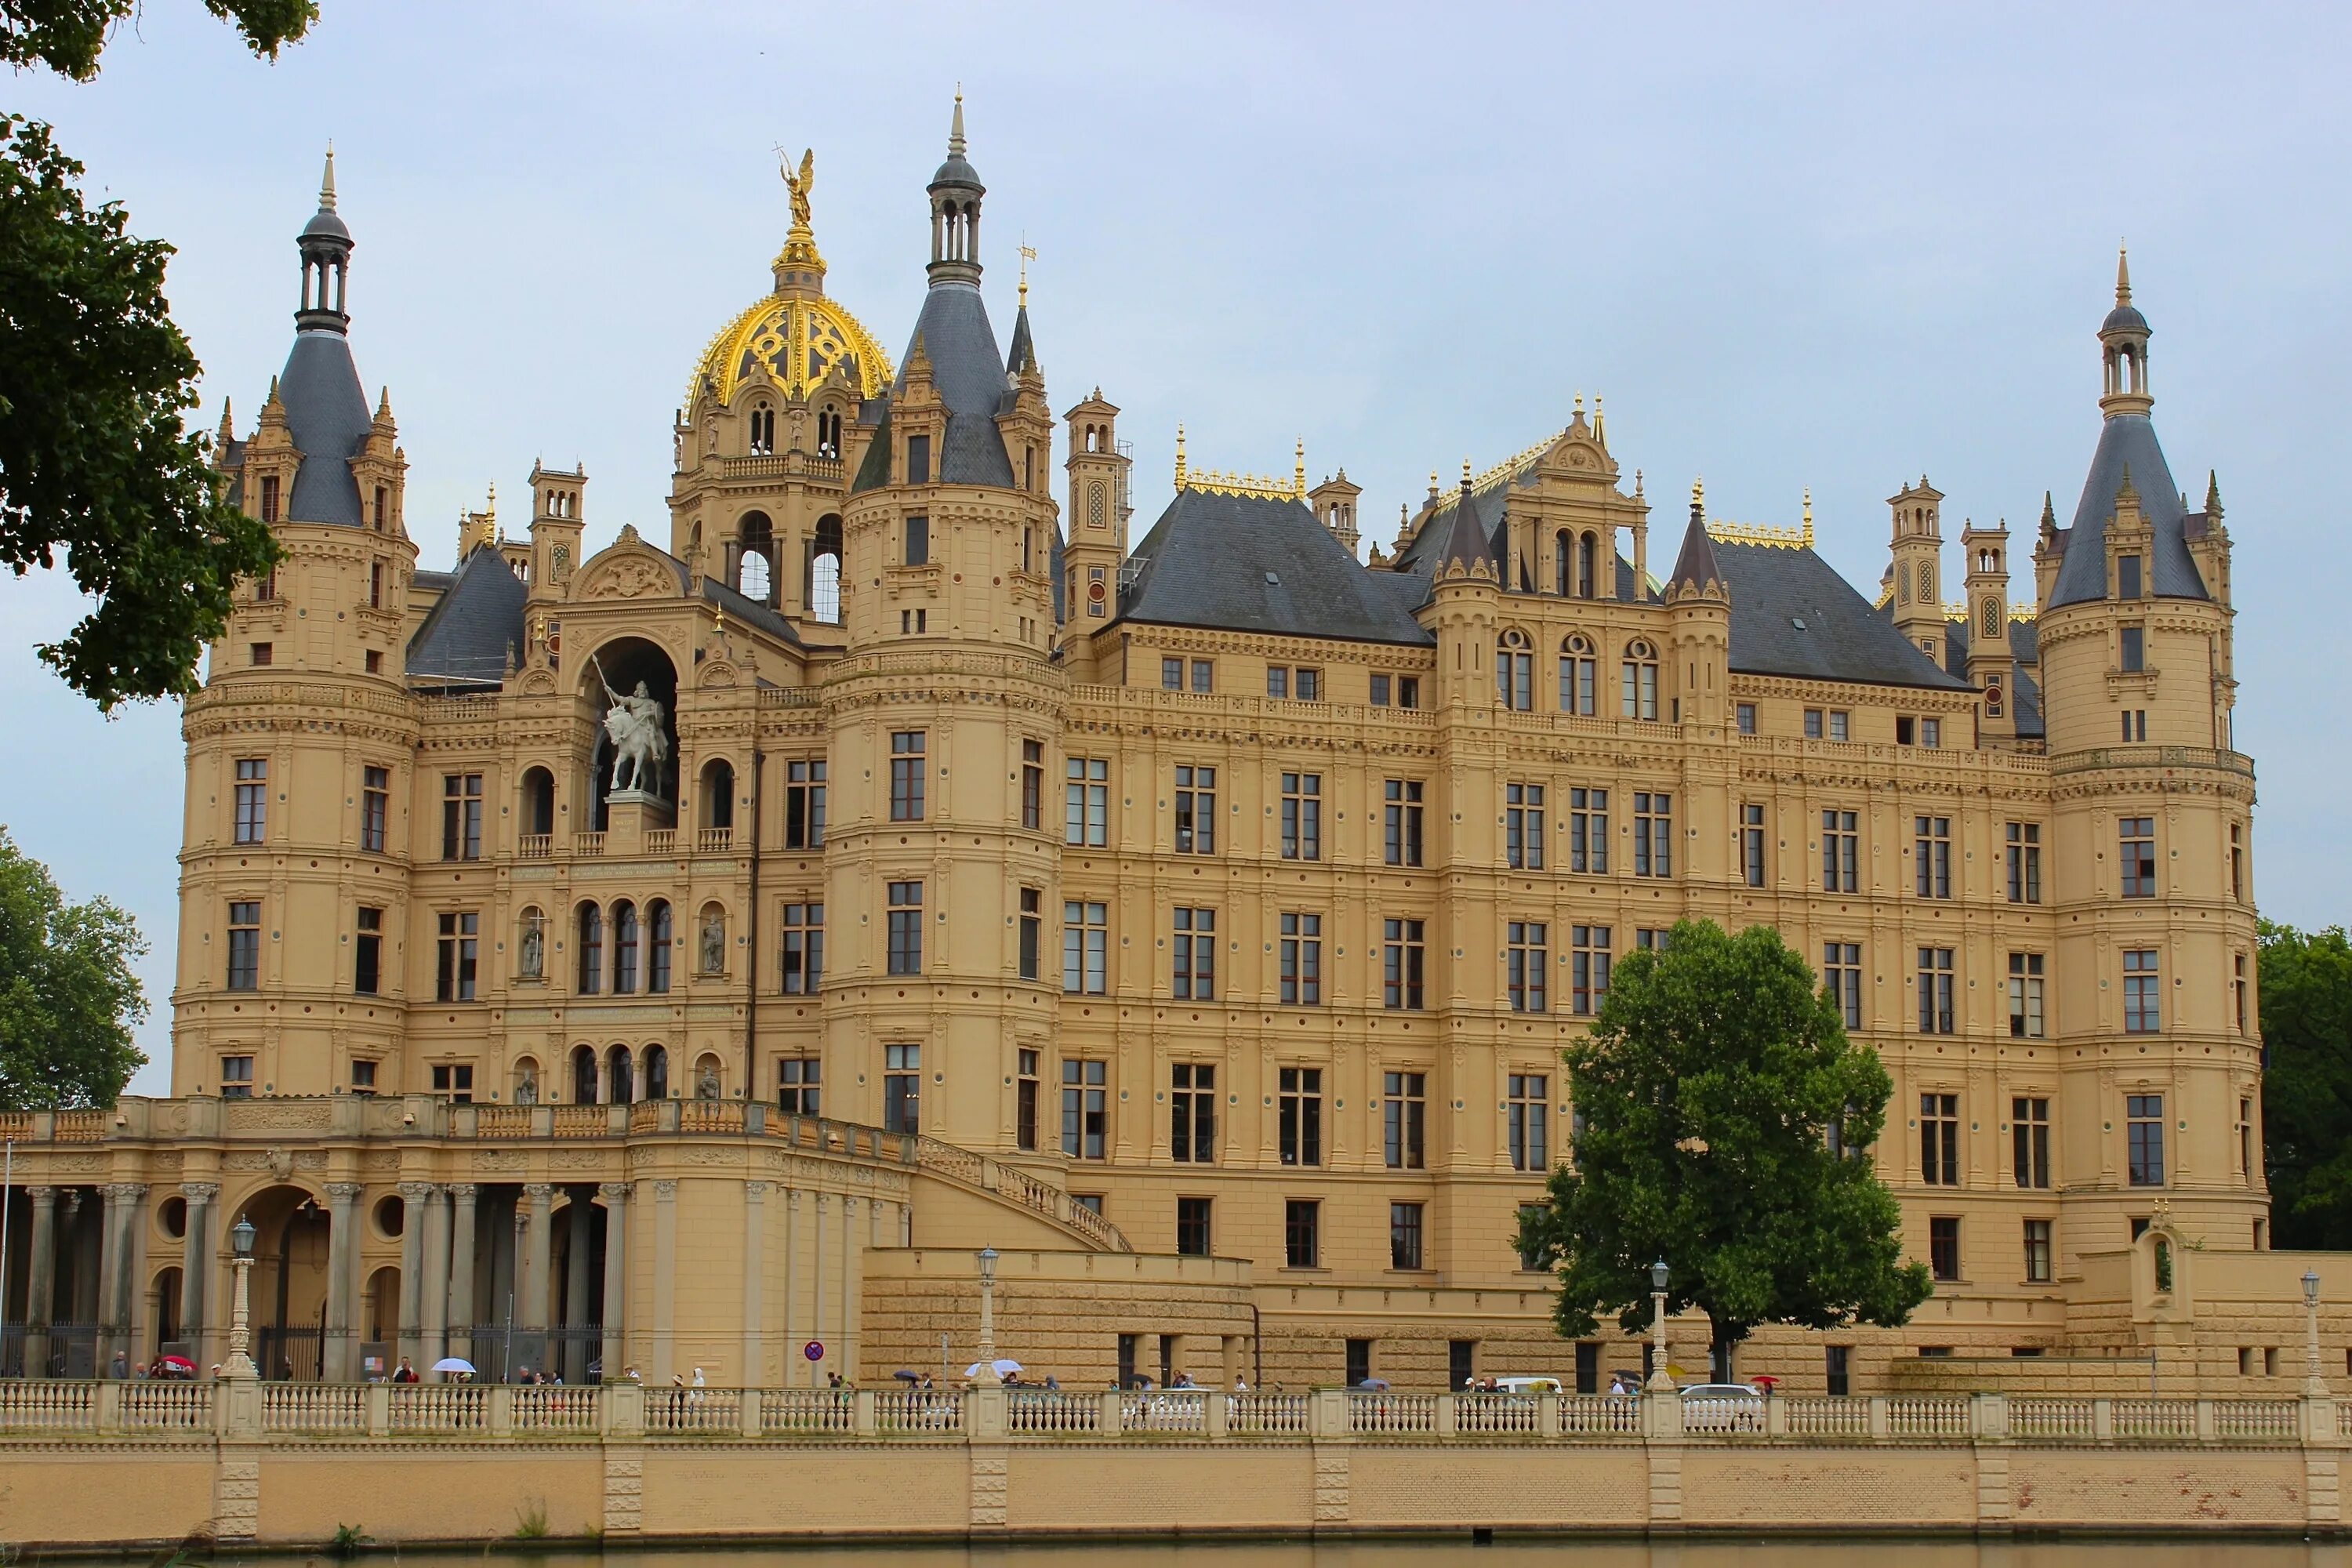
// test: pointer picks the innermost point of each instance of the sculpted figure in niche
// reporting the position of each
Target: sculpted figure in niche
(527, 1086)
(707, 1088)
(640, 745)
(533, 962)
(714, 943)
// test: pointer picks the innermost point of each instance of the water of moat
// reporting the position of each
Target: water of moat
(1464, 1553)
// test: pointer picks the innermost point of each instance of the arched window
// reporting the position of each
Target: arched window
(1641, 684)
(538, 802)
(624, 949)
(1588, 552)
(718, 794)
(824, 572)
(657, 947)
(1577, 667)
(755, 557)
(592, 950)
(584, 1074)
(1560, 563)
(657, 1073)
(763, 430)
(1515, 671)
(619, 1086)
(828, 432)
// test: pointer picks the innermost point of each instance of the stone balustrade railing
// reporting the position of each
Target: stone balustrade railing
(299, 1412)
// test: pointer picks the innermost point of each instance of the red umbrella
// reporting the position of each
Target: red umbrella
(179, 1363)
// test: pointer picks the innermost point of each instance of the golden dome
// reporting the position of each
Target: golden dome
(793, 337)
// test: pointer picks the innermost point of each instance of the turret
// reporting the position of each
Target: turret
(1096, 514)
(1334, 501)
(555, 527)
(1916, 546)
(1466, 599)
(2123, 343)
(1992, 665)
(1699, 602)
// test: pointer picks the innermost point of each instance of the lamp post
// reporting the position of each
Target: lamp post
(1661, 1380)
(988, 1374)
(240, 1364)
(2314, 1385)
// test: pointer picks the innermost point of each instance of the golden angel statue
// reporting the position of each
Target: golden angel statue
(799, 184)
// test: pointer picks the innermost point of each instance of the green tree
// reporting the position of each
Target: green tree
(95, 380)
(2307, 1019)
(1715, 1093)
(68, 997)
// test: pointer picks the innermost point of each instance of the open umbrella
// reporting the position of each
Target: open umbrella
(452, 1364)
(1377, 1385)
(903, 1375)
(1003, 1366)
(178, 1363)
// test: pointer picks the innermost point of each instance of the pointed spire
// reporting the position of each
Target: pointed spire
(2123, 275)
(327, 182)
(2212, 499)
(1299, 472)
(1599, 422)
(1180, 454)
(1694, 566)
(955, 127)
(2049, 517)
(384, 403)
(1809, 517)
(2127, 491)
(228, 425)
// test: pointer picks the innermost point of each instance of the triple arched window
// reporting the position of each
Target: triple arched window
(640, 940)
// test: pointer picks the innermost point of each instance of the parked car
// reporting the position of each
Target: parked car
(1723, 1407)
(1527, 1385)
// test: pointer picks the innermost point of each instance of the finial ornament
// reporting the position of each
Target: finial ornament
(2123, 274)
(1809, 517)
(955, 131)
(1028, 255)
(1180, 454)
(327, 182)
(1698, 491)
(1298, 473)
(799, 184)
(1465, 473)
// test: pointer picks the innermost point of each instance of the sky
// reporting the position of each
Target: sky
(1836, 247)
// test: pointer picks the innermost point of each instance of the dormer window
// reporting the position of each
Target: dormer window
(918, 459)
(2128, 577)
(269, 498)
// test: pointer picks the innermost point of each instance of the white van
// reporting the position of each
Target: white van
(1527, 1385)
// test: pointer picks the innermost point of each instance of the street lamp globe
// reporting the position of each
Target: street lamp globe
(2311, 1287)
(1658, 1275)
(988, 1266)
(241, 1237)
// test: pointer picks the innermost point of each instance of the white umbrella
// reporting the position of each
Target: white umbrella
(1003, 1366)
(452, 1364)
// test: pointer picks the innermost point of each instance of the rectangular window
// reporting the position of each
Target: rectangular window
(2138, 838)
(1204, 675)
(804, 803)
(2132, 648)
(1085, 802)
(1751, 845)
(457, 955)
(1396, 691)
(2126, 577)
(1931, 854)
(375, 808)
(453, 1081)
(1744, 715)
(252, 799)
(2144, 1139)
(1196, 810)
(1837, 1363)
(1025, 1102)
(1401, 965)
(907, 774)
(2237, 863)
(2037, 1252)
(245, 946)
(269, 483)
(1300, 1115)
(1840, 724)
(363, 1076)
(1931, 731)
(1813, 723)
(902, 1088)
(1532, 1260)
(1944, 1246)
(236, 1077)
(1588, 969)
(1302, 960)
(2025, 1022)
(1194, 971)
(367, 952)
(2240, 991)
(1940, 1139)
(1935, 1016)
(1842, 978)
(1278, 680)
(2245, 1137)
(1302, 1233)
(1402, 827)
(1302, 816)
(802, 956)
(1588, 831)
(461, 817)
(2024, 862)
(1654, 834)
(1404, 1236)
(1192, 1228)
(2143, 1001)
(1086, 948)
(1192, 1113)
(1906, 729)
(918, 459)
(1527, 961)
(2029, 1140)
(1172, 675)
(1359, 1358)
(905, 928)
(1579, 691)
(1380, 691)
(1841, 852)
(259, 653)
(1528, 1097)
(1033, 922)
(1085, 1108)
(1306, 685)
(800, 1086)
(1404, 1109)
(375, 586)
(1523, 826)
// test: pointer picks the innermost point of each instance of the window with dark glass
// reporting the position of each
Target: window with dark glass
(800, 1089)
(2037, 1251)
(626, 944)
(1744, 716)
(1192, 1228)
(1527, 1097)
(1193, 975)
(245, 946)
(2143, 998)
(1086, 801)
(1935, 1016)
(453, 1081)
(902, 1088)
(1523, 826)
(2132, 648)
(1514, 680)
(660, 939)
(252, 799)
(1301, 956)
(1751, 845)
(2128, 577)
(1588, 969)
(2029, 1140)
(1940, 1139)
(367, 952)
(918, 459)
(461, 817)
(1085, 1106)
(1033, 921)
(1086, 948)
(1842, 978)
(1404, 1236)
(905, 928)
(1299, 1115)
(800, 959)
(1588, 831)
(1196, 810)
(1944, 1246)
(907, 774)
(2136, 835)
(236, 1077)
(2025, 979)
(2144, 1139)
(1401, 953)
(1302, 816)
(1840, 851)
(1654, 834)
(804, 803)
(1526, 963)
(1025, 1101)
(1931, 856)
(1192, 1113)
(1402, 827)
(376, 808)
(1032, 785)
(1302, 1234)
(1404, 1109)
(459, 955)
(2024, 862)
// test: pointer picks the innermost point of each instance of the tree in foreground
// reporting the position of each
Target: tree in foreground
(2306, 1024)
(1723, 1119)
(68, 997)
(96, 460)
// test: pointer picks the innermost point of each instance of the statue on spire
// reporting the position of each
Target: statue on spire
(798, 185)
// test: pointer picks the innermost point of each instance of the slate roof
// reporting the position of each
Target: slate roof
(328, 417)
(750, 611)
(1255, 563)
(2128, 441)
(1842, 636)
(465, 636)
(1696, 563)
(970, 375)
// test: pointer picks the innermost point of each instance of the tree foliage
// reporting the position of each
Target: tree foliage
(95, 382)
(68, 997)
(2306, 1020)
(1707, 1094)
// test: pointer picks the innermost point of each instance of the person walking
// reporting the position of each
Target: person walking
(403, 1372)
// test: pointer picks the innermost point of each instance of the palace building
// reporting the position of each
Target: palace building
(1193, 915)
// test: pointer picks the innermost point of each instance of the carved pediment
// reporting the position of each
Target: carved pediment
(629, 569)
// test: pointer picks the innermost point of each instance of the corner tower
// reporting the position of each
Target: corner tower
(1916, 546)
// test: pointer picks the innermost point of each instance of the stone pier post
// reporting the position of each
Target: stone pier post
(343, 1247)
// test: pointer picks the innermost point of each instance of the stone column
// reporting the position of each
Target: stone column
(434, 1286)
(343, 1247)
(580, 1240)
(816, 1287)
(665, 1279)
(41, 1280)
(792, 1355)
(464, 1235)
(845, 1360)
(415, 1197)
(81, 1297)
(755, 1263)
(111, 1325)
(197, 1272)
(531, 1294)
(616, 1278)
